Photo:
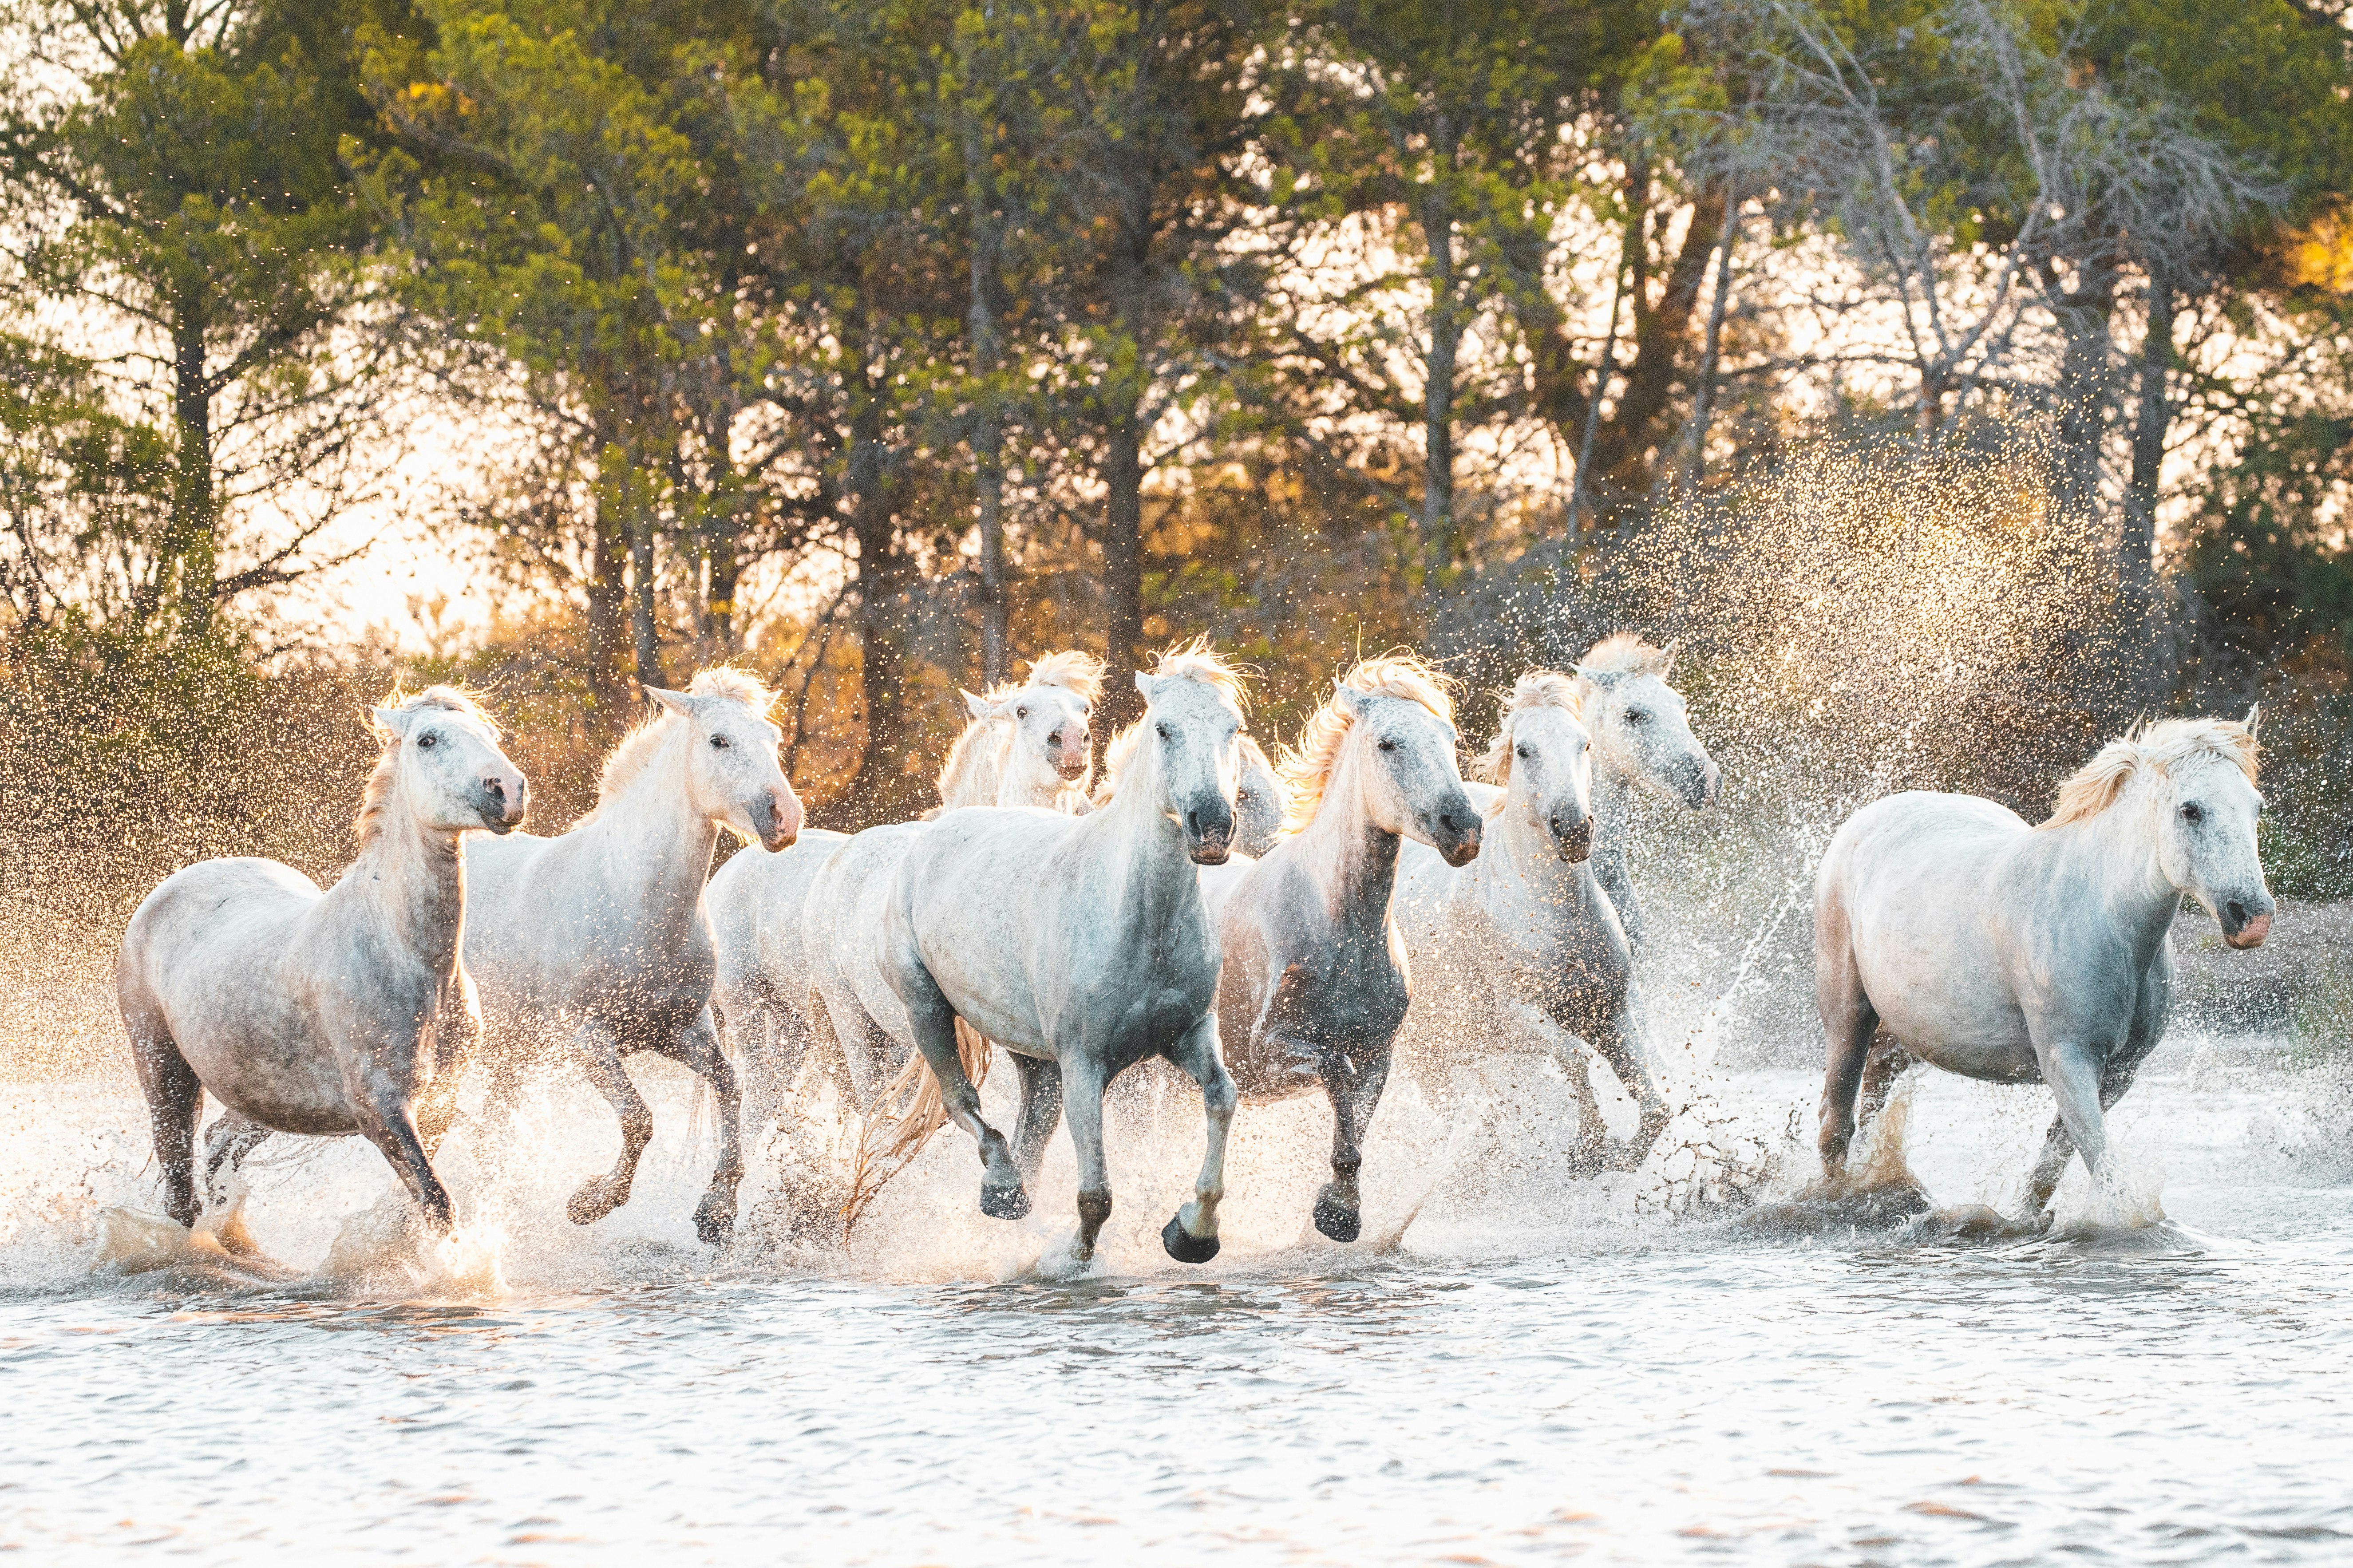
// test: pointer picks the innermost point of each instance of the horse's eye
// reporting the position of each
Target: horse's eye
(1161, 730)
(1520, 751)
(1388, 744)
(2193, 814)
(426, 742)
(718, 742)
(1021, 712)
(1241, 795)
(1636, 716)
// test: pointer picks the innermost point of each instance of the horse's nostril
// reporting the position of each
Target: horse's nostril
(2238, 911)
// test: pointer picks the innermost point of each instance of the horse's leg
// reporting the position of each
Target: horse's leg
(387, 1120)
(175, 1097)
(1041, 1111)
(1849, 1021)
(1887, 1062)
(697, 1051)
(1083, 1107)
(227, 1142)
(1354, 1088)
(932, 1021)
(2148, 1027)
(599, 1054)
(1191, 1236)
(458, 1039)
(2074, 1072)
(1616, 1041)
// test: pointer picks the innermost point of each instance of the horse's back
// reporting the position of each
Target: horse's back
(756, 902)
(1909, 895)
(964, 900)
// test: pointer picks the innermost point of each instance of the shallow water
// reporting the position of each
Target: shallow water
(1540, 1369)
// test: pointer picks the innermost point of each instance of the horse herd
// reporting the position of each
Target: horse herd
(1268, 930)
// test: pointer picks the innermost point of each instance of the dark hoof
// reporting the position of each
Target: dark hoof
(714, 1221)
(1339, 1224)
(1004, 1202)
(1184, 1248)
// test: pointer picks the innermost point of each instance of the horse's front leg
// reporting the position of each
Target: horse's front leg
(384, 1102)
(2073, 1070)
(1191, 1236)
(1616, 1042)
(599, 1051)
(1563, 1046)
(697, 1051)
(1083, 1107)
(1353, 1082)
(457, 1040)
(932, 1021)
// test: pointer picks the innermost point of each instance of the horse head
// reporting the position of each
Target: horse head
(2207, 810)
(1192, 726)
(443, 764)
(1639, 724)
(1543, 757)
(1260, 803)
(731, 774)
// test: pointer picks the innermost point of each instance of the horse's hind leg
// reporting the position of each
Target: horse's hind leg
(1191, 1235)
(174, 1099)
(932, 1021)
(227, 1142)
(1616, 1041)
(697, 1050)
(600, 1059)
(1887, 1062)
(1849, 1022)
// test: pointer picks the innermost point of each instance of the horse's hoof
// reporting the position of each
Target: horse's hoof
(714, 1221)
(1187, 1249)
(592, 1203)
(1339, 1224)
(1004, 1202)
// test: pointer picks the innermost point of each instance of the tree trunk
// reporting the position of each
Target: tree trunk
(2086, 394)
(987, 435)
(609, 594)
(890, 785)
(641, 595)
(1439, 366)
(1124, 568)
(2137, 545)
(187, 568)
(722, 532)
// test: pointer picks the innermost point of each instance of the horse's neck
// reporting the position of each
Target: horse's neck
(1352, 861)
(1013, 789)
(974, 767)
(2115, 853)
(651, 845)
(1521, 859)
(412, 881)
(1613, 821)
(1150, 868)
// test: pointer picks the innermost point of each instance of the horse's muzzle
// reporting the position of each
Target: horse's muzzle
(505, 803)
(1704, 785)
(1573, 839)
(1209, 840)
(2241, 929)
(1457, 838)
(780, 821)
(1070, 757)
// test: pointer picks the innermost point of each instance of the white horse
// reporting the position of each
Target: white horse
(1315, 982)
(595, 945)
(1948, 930)
(1642, 742)
(1521, 950)
(1082, 944)
(778, 918)
(326, 1014)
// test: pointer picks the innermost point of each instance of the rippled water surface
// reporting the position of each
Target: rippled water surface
(1538, 1370)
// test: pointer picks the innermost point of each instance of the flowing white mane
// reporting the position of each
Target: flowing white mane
(1306, 767)
(2160, 747)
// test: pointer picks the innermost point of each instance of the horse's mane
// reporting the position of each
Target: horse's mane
(1537, 689)
(1307, 767)
(1074, 671)
(1625, 653)
(638, 747)
(1195, 661)
(369, 821)
(2160, 747)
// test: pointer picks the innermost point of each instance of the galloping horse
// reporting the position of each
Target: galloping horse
(595, 945)
(1314, 985)
(1948, 930)
(327, 1013)
(1081, 945)
(1521, 950)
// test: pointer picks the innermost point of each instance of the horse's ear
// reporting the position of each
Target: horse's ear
(1149, 685)
(391, 723)
(1667, 658)
(675, 701)
(976, 706)
(1345, 697)
(1604, 678)
(2255, 716)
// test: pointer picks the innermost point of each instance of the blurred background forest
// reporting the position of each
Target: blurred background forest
(1959, 379)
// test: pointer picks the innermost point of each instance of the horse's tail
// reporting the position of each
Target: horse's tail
(904, 1119)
